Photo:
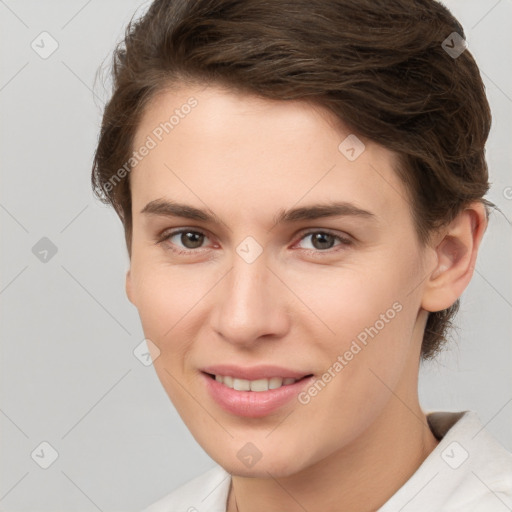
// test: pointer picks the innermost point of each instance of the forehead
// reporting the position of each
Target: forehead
(216, 147)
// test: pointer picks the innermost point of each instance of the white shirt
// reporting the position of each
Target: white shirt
(468, 471)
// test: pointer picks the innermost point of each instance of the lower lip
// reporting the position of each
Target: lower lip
(253, 404)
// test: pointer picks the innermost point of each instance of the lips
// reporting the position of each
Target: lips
(253, 391)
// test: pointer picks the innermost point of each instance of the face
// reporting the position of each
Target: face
(270, 256)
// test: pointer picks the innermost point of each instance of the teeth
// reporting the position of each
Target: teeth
(259, 385)
(275, 382)
(254, 385)
(241, 385)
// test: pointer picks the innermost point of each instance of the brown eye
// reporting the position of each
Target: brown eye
(323, 241)
(183, 240)
(191, 239)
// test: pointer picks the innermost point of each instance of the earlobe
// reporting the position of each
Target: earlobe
(128, 286)
(456, 258)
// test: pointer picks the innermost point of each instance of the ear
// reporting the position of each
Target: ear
(456, 247)
(128, 286)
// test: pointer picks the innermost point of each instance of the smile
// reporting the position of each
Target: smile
(256, 397)
(254, 385)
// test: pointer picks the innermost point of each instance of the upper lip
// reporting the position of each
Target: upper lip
(253, 372)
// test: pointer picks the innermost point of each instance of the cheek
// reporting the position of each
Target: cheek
(165, 297)
(350, 301)
(361, 363)
(367, 319)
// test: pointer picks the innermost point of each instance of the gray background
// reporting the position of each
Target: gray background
(68, 374)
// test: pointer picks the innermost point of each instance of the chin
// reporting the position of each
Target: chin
(267, 467)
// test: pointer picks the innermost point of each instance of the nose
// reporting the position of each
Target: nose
(251, 302)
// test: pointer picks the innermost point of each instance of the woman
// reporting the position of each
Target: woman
(301, 185)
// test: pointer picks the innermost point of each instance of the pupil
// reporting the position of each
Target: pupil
(191, 240)
(322, 240)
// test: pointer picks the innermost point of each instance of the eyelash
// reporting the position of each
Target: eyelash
(166, 235)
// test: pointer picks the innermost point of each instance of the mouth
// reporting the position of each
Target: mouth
(257, 385)
(256, 397)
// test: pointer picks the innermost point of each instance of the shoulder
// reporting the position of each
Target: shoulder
(483, 467)
(468, 471)
(207, 492)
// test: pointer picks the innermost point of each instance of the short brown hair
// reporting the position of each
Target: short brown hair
(379, 65)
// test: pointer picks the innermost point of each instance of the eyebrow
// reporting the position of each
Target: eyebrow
(166, 208)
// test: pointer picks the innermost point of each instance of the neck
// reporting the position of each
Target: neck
(360, 477)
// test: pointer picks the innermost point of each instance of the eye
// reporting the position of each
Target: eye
(323, 240)
(188, 241)
(183, 240)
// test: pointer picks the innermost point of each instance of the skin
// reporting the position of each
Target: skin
(298, 305)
